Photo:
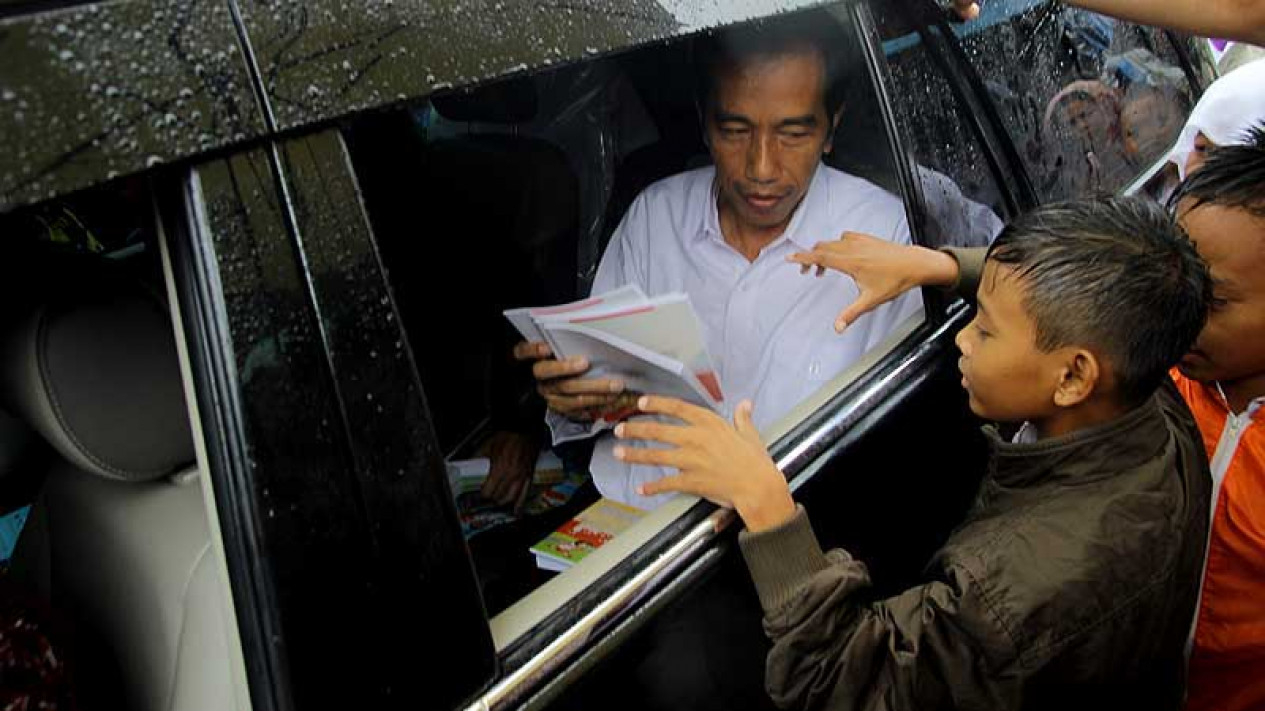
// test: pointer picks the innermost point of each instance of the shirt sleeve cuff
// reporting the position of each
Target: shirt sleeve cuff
(782, 559)
(970, 269)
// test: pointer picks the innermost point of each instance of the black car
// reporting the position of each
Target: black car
(255, 258)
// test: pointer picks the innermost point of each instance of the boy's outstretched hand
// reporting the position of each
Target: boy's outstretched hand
(726, 464)
(882, 270)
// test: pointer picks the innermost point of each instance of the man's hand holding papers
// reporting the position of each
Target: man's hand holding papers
(558, 382)
(627, 344)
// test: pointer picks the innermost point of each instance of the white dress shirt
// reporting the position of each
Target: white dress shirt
(769, 329)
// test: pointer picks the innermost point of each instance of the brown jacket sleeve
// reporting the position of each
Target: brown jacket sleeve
(835, 646)
(970, 269)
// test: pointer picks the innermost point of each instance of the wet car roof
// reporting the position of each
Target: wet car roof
(93, 92)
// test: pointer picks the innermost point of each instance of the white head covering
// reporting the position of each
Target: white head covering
(1233, 104)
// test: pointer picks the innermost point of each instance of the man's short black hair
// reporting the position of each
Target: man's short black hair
(1231, 176)
(816, 31)
(1116, 275)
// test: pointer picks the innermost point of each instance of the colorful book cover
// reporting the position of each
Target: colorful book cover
(585, 533)
(552, 485)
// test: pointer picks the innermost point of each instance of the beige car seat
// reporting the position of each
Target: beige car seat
(120, 534)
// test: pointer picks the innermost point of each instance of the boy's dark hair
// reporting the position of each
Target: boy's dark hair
(1116, 275)
(816, 31)
(1232, 176)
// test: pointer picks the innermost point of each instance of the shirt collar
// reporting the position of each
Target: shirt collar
(799, 231)
(1027, 434)
(1253, 407)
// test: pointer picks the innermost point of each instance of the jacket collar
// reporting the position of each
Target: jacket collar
(1124, 443)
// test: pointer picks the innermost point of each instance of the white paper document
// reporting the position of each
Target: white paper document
(654, 345)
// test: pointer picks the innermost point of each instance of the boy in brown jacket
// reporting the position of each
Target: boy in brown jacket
(1074, 577)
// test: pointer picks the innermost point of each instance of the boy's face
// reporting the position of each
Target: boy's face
(1007, 377)
(1231, 346)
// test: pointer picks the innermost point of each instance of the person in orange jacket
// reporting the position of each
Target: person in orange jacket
(1222, 206)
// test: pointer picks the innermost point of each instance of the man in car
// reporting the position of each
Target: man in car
(770, 102)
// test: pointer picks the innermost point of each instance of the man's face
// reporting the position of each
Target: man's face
(1007, 377)
(767, 129)
(1231, 346)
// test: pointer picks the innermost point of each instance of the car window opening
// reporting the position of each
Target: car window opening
(508, 196)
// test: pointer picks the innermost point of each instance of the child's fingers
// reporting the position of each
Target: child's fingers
(681, 410)
(814, 258)
(744, 423)
(649, 457)
(805, 260)
(651, 431)
(666, 485)
(863, 305)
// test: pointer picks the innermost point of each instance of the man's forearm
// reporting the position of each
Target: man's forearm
(1242, 20)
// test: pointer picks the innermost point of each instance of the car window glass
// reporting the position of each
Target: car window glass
(522, 192)
(105, 225)
(963, 203)
(1091, 102)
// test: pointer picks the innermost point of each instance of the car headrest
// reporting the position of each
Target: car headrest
(512, 101)
(97, 375)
